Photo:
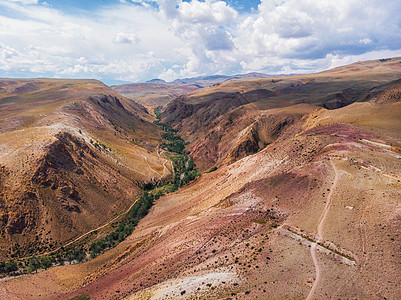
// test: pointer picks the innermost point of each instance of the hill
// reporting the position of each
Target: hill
(71, 159)
(300, 200)
(157, 92)
(240, 117)
(153, 94)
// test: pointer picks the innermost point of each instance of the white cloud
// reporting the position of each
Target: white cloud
(302, 30)
(181, 39)
(218, 13)
(169, 75)
(218, 40)
(365, 41)
(125, 38)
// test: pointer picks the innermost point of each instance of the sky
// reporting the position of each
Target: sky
(138, 40)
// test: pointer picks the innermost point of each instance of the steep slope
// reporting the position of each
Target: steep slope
(305, 204)
(222, 131)
(71, 158)
(247, 229)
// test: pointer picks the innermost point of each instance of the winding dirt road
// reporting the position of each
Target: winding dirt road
(164, 163)
(319, 232)
(85, 234)
(161, 158)
(147, 162)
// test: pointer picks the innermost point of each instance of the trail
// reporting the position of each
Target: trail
(153, 170)
(319, 232)
(108, 223)
(104, 225)
(330, 249)
(83, 235)
(164, 163)
(147, 162)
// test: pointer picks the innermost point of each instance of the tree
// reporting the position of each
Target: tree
(33, 264)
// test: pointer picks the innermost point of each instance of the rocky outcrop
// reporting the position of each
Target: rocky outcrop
(20, 218)
(58, 159)
(264, 131)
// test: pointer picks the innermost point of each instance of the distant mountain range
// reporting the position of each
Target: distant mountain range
(203, 79)
(158, 92)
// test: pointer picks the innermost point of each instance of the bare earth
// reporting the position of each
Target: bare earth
(305, 202)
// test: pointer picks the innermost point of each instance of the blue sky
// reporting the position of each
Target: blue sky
(137, 40)
(70, 5)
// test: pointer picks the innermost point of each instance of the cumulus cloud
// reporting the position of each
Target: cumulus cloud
(125, 38)
(365, 41)
(142, 39)
(301, 30)
(219, 40)
(208, 12)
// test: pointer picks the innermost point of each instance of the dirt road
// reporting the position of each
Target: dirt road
(319, 232)
(85, 234)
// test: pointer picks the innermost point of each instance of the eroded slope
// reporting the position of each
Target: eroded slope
(72, 157)
(313, 211)
(246, 229)
(229, 121)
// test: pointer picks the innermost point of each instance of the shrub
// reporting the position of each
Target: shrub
(45, 262)
(10, 266)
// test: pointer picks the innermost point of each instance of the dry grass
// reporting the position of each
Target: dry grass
(228, 221)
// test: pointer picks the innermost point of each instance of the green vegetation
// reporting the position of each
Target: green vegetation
(184, 166)
(148, 186)
(80, 253)
(8, 267)
(158, 114)
(137, 212)
(174, 143)
(212, 170)
(165, 127)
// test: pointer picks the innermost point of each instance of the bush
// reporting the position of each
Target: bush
(177, 146)
(45, 262)
(33, 264)
(10, 266)
(148, 186)
(212, 169)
